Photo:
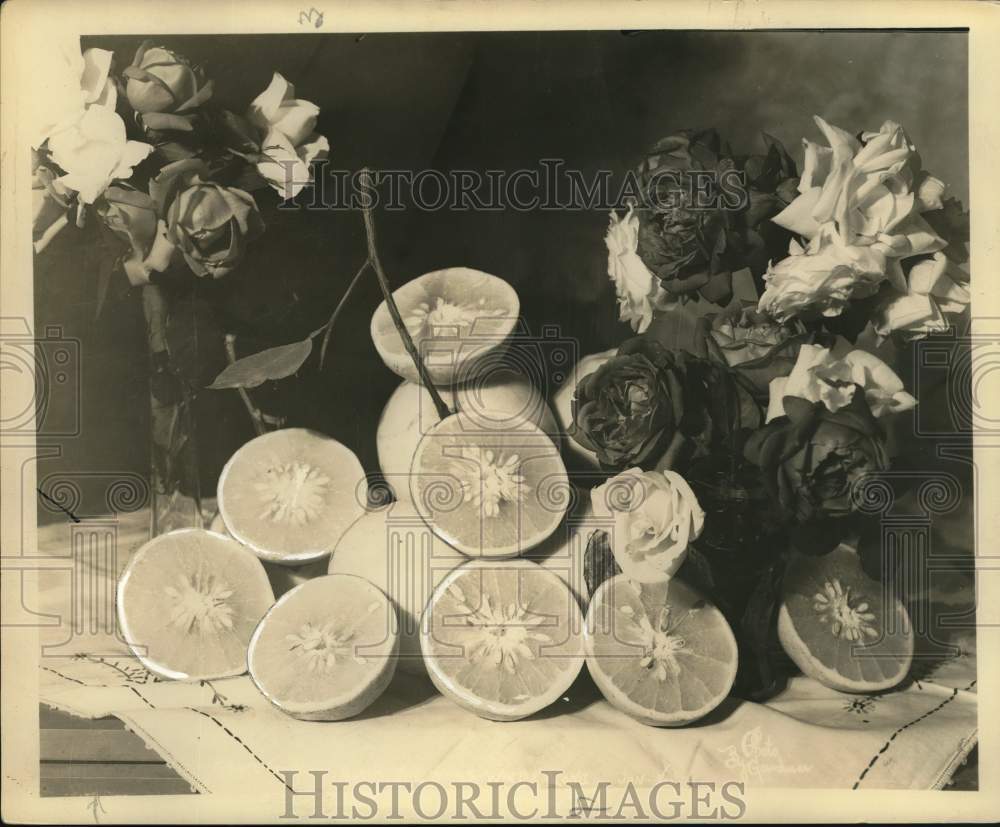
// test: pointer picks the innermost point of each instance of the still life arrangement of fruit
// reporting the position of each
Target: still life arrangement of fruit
(516, 545)
(682, 517)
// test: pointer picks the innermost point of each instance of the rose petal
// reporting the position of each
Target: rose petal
(264, 108)
(798, 216)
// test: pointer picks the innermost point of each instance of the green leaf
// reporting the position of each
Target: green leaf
(273, 363)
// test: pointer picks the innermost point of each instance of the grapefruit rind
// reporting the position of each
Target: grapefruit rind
(565, 653)
(674, 591)
(489, 494)
(294, 511)
(354, 699)
(864, 646)
(456, 318)
(168, 667)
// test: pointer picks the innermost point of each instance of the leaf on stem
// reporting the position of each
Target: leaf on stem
(273, 363)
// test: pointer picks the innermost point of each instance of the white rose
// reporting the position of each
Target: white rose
(865, 189)
(654, 515)
(71, 83)
(821, 278)
(290, 142)
(638, 290)
(936, 287)
(94, 151)
(830, 375)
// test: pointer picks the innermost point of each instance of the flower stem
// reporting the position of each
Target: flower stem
(373, 259)
(256, 417)
(337, 309)
(51, 233)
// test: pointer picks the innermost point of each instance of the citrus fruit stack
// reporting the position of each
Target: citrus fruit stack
(659, 651)
(840, 627)
(327, 649)
(502, 638)
(188, 602)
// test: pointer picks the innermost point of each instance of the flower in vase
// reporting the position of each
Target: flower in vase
(49, 198)
(73, 83)
(289, 142)
(165, 88)
(833, 375)
(811, 457)
(132, 215)
(629, 408)
(208, 222)
(655, 515)
(94, 151)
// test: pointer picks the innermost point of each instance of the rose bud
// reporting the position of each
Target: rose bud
(210, 223)
(132, 216)
(165, 88)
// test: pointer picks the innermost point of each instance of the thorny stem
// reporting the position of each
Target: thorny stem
(373, 259)
(255, 415)
(338, 308)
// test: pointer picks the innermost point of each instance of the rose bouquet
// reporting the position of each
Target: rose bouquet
(759, 396)
(165, 188)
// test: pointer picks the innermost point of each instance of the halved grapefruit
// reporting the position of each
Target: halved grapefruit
(488, 493)
(327, 649)
(659, 652)
(841, 627)
(393, 548)
(456, 317)
(498, 403)
(289, 495)
(503, 638)
(188, 602)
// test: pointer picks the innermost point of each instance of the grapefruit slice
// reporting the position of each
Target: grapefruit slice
(496, 403)
(842, 628)
(188, 602)
(393, 548)
(456, 318)
(503, 638)
(562, 404)
(289, 495)
(326, 650)
(659, 652)
(488, 493)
